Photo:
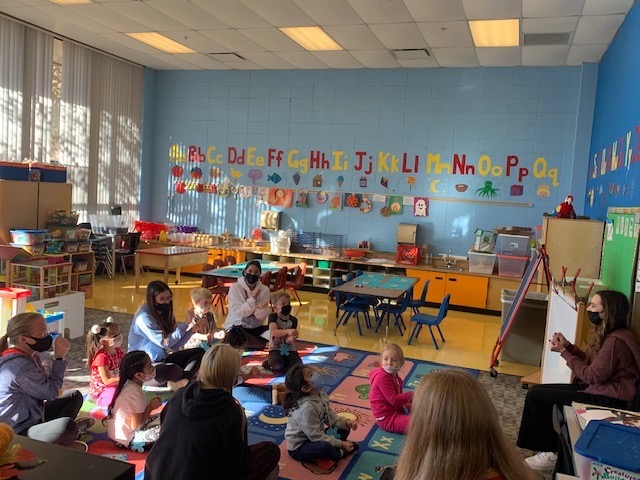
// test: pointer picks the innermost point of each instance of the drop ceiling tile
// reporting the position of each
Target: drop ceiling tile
(268, 60)
(187, 13)
(232, 12)
(10, 4)
(337, 59)
(597, 30)
(272, 39)
(550, 25)
(354, 37)
(499, 57)
(426, 63)
(68, 16)
(145, 15)
(196, 41)
(446, 34)
(243, 66)
(492, 9)
(608, 7)
(177, 61)
(132, 43)
(579, 54)
(233, 40)
(399, 35)
(281, 13)
(31, 3)
(106, 16)
(330, 12)
(551, 8)
(456, 57)
(544, 55)
(203, 61)
(381, 11)
(375, 58)
(301, 59)
(436, 10)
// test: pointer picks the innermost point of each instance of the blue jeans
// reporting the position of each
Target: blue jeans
(310, 451)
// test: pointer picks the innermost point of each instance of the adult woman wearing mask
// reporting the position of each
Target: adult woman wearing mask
(29, 399)
(249, 305)
(607, 374)
(155, 331)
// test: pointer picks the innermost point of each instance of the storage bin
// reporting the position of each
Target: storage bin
(511, 266)
(54, 247)
(408, 254)
(525, 341)
(55, 321)
(63, 217)
(84, 247)
(27, 237)
(70, 247)
(80, 266)
(84, 278)
(67, 234)
(515, 245)
(84, 234)
(35, 250)
(481, 262)
(605, 448)
(485, 240)
(323, 264)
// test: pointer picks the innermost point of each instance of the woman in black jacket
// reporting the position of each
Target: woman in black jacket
(203, 429)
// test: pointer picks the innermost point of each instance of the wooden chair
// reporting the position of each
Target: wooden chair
(230, 260)
(127, 251)
(431, 321)
(298, 281)
(216, 285)
(219, 263)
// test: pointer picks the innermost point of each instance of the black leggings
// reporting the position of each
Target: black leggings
(59, 424)
(179, 365)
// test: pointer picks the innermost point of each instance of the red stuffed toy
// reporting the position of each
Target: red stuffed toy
(565, 209)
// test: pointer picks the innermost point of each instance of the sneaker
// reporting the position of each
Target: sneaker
(321, 466)
(175, 386)
(84, 424)
(266, 365)
(79, 446)
(542, 461)
(278, 391)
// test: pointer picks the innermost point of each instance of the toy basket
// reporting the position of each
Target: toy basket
(408, 254)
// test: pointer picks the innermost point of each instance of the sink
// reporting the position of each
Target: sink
(449, 268)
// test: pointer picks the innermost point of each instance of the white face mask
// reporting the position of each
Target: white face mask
(117, 341)
(201, 311)
(149, 376)
(390, 369)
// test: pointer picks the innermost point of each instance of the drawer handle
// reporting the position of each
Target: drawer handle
(50, 305)
(453, 279)
(439, 278)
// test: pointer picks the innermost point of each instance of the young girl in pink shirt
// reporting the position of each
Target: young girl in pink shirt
(103, 358)
(389, 405)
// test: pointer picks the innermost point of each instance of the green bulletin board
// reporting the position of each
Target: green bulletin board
(619, 250)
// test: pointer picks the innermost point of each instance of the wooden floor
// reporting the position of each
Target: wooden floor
(469, 337)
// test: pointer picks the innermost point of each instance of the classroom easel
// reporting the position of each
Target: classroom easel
(539, 256)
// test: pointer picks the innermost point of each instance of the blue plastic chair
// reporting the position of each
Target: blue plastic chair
(421, 319)
(350, 308)
(396, 310)
(420, 302)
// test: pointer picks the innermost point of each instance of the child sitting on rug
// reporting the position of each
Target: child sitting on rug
(315, 434)
(206, 329)
(129, 416)
(103, 358)
(455, 433)
(282, 335)
(389, 405)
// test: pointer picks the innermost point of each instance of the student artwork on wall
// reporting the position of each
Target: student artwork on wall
(280, 197)
(395, 204)
(420, 207)
(335, 201)
(301, 200)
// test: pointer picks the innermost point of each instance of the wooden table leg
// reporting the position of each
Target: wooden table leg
(137, 267)
(166, 271)
(177, 275)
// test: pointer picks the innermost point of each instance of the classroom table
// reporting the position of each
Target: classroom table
(168, 258)
(382, 286)
(235, 270)
(63, 462)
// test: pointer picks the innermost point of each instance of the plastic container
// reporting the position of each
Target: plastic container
(28, 237)
(482, 262)
(84, 247)
(35, 250)
(66, 234)
(71, 247)
(80, 266)
(515, 245)
(407, 254)
(63, 217)
(608, 448)
(84, 234)
(511, 266)
(525, 341)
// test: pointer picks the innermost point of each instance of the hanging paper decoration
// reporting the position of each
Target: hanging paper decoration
(263, 193)
(335, 202)
(180, 187)
(235, 174)
(395, 204)
(353, 200)
(177, 171)
(280, 197)
(274, 177)
(301, 201)
(245, 191)
(322, 196)
(340, 181)
(215, 172)
(420, 207)
(365, 205)
(317, 181)
(411, 180)
(255, 175)
(296, 178)
(196, 173)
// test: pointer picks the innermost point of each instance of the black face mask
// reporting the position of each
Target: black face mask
(286, 309)
(594, 317)
(251, 279)
(163, 307)
(42, 344)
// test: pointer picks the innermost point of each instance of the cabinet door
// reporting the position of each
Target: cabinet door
(52, 196)
(18, 207)
(437, 283)
(467, 290)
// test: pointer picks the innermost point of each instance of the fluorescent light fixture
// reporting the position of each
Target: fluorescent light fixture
(160, 42)
(311, 38)
(70, 2)
(495, 33)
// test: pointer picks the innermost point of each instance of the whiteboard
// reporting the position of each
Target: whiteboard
(562, 316)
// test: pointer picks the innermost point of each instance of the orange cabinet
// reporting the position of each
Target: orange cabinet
(465, 290)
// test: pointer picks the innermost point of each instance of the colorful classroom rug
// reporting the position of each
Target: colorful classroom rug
(345, 377)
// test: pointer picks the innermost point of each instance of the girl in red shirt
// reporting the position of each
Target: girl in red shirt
(103, 358)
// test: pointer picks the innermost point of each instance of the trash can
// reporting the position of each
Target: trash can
(526, 340)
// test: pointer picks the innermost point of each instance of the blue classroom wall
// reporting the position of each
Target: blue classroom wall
(480, 135)
(614, 160)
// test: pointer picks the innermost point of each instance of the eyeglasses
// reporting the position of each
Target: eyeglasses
(164, 299)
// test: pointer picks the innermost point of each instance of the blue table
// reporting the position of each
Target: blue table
(235, 271)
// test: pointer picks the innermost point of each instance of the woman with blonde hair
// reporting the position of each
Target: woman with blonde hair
(455, 433)
(204, 427)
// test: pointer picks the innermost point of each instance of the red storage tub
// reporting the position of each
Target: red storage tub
(408, 254)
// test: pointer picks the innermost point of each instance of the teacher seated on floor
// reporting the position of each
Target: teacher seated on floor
(607, 374)
(249, 306)
(154, 330)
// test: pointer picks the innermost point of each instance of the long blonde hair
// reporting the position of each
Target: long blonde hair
(220, 367)
(20, 324)
(454, 433)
